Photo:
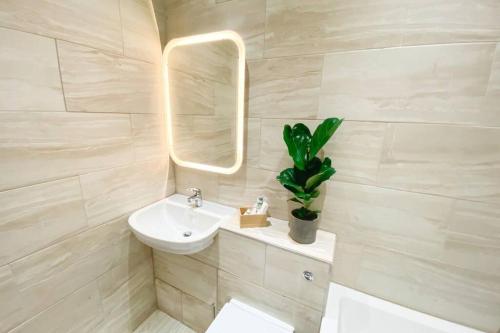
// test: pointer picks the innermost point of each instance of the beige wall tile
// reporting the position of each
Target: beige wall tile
(445, 291)
(148, 136)
(242, 256)
(140, 33)
(473, 237)
(43, 146)
(184, 307)
(448, 21)
(36, 216)
(295, 27)
(132, 303)
(475, 218)
(49, 275)
(79, 312)
(247, 17)
(215, 61)
(92, 22)
(206, 181)
(52, 270)
(244, 187)
(94, 81)
(459, 233)
(494, 83)
(411, 223)
(160, 7)
(27, 82)
(169, 299)
(130, 253)
(210, 255)
(461, 162)
(161, 19)
(171, 178)
(114, 192)
(302, 318)
(274, 154)
(11, 301)
(321, 26)
(489, 104)
(197, 314)
(285, 87)
(355, 148)
(252, 143)
(205, 140)
(347, 258)
(190, 94)
(189, 275)
(438, 84)
(284, 275)
(138, 260)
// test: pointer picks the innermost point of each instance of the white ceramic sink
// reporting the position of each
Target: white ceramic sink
(171, 225)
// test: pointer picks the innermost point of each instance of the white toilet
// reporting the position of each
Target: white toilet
(238, 317)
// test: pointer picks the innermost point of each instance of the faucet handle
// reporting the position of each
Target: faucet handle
(194, 190)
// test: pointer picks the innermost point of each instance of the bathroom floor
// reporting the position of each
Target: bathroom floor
(160, 322)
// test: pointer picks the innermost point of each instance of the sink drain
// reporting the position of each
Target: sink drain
(187, 233)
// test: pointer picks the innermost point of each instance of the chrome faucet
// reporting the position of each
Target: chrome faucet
(196, 199)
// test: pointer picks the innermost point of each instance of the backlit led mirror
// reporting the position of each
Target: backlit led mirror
(204, 98)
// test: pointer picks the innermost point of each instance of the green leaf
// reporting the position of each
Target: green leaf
(323, 133)
(298, 140)
(296, 200)
(307, 196)
(312, 167)
(288, 138)
(324, 173)
(287, 179)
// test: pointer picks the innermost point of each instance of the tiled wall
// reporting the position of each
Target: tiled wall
(193, 288)
(416, 199)
(81, 146)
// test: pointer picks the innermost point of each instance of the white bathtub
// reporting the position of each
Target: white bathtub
(350, 311)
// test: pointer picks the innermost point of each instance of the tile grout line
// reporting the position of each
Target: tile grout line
(13, 329)
(58, 55)
(82, 194)
(264, 119)
(104, 50)
(121, 26)
(465, 125)
(73, 235)
(381, 154)
(391, 47)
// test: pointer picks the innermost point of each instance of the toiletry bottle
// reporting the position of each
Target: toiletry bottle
(263, 208)
(256, 207)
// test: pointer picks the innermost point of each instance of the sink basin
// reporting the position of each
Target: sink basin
(171, 225)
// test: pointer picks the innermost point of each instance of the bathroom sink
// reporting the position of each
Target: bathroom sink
(171, 225)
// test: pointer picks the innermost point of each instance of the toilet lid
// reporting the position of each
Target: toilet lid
(236, 316)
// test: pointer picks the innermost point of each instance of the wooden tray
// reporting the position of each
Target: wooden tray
(252, 221)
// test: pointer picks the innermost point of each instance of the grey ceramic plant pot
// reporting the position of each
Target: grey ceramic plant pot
(302, 231)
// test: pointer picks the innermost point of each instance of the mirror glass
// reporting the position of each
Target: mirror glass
(204, 88)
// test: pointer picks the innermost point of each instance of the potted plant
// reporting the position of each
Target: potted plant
(308, 172)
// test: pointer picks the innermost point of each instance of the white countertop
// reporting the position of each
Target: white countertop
(276, 234)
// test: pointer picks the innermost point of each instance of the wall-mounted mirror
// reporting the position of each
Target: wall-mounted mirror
(204, 97)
